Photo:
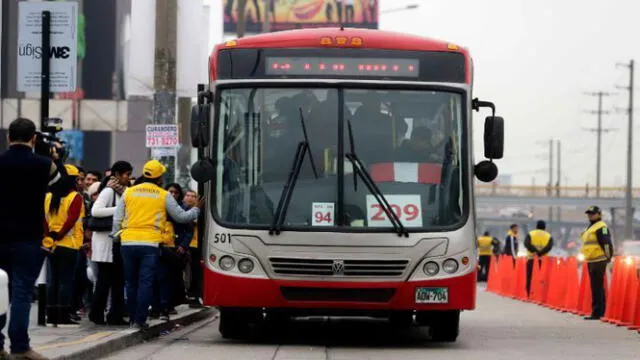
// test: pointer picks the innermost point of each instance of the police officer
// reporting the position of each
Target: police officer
(538, 242)
(597, 250)
(511, 242)
(24, 180)
(486, 246)
(140, 222)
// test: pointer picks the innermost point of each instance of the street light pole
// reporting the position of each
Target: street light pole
(628, 224)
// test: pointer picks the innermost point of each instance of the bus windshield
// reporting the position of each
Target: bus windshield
(409, 141)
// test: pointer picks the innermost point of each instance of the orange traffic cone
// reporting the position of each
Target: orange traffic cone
(493, 275)
(584, 302)
(573, 286)
(635, 322)
(520, 291)
(630, 290)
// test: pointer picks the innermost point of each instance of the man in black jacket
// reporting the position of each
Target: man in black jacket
(511, 242)
(24, 179)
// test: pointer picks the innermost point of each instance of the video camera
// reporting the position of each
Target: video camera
(46, 139)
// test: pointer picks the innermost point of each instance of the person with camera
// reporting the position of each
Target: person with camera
(104, 251)
(140, 221)
(26, 178)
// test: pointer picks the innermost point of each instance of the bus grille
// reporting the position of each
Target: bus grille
(329, 267)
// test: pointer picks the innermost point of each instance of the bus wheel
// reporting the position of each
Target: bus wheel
(235, 324)
(444, 326)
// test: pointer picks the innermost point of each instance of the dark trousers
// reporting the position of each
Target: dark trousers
(596, 278)
(110, 278)
(82, 287)
(484, 261)
(195, 284)
(22, 260)
(60, 282)
(140, 267)
(530, 272)
(162, 286)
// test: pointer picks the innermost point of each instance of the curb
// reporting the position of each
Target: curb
(134, 338)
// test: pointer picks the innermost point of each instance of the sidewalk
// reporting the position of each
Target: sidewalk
(89, 341)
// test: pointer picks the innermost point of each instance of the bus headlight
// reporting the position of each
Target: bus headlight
(431, 268)
(450, 266)
(245, 265)
(227, 263)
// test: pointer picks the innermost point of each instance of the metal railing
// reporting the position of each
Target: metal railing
(547, 191)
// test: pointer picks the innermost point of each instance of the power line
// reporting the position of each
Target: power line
(599, 130)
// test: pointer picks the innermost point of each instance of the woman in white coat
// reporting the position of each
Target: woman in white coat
(104, 252)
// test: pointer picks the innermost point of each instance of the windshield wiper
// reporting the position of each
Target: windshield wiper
(361, 171)
(294, 173)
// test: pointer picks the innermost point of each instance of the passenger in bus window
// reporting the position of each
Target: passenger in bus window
(418, 148)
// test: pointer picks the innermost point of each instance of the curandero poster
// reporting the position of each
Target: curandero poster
(296, 14)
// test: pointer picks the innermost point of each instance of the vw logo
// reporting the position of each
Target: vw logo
(337, 267)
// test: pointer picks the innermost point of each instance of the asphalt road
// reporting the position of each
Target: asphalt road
(498, 329)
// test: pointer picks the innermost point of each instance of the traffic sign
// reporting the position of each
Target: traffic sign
(162, 136)
(63, 50)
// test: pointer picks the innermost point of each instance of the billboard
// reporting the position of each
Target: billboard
(296, 14)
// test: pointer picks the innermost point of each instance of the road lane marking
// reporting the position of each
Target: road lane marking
(87, 339)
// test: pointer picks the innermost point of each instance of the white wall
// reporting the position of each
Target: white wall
(140, 49)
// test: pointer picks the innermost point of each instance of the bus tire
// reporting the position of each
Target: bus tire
(234, 324)
(444, 326)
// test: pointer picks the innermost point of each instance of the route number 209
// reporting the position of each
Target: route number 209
(222, 238)
(408, 208)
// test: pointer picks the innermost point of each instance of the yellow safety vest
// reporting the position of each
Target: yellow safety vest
(169, 235)
(146, 215)
(539, 240)
(485, 245)
(590, 248)
(74, 238)
(194, 239)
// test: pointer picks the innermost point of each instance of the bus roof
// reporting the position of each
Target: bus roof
(312, 37)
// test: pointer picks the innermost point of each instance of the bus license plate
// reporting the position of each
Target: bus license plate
(432, 295)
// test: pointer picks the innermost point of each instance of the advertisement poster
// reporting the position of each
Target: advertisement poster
(74, 140)
(296, 14)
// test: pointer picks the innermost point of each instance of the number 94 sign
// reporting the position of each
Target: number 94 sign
(408, 208)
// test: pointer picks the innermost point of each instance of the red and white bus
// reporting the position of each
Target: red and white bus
(338, 169)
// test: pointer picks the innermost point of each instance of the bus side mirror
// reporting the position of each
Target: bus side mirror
(486, 171)
(203, 170)
(493, 137)
(200, 126)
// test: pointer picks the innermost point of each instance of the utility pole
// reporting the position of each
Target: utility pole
(628, 223)
(242, 19)
(599, 130)
(164, 97)
(558, 177)
(266, 23)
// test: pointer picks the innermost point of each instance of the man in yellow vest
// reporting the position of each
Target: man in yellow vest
(597, 250)
(538, 243)
(486, 244)
(140, 223)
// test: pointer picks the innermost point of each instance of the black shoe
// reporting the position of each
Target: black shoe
(164, 316)
(154, 314)
(141, 327)
(592, 317)
(117, 322)
(173, 311)
(75, 317)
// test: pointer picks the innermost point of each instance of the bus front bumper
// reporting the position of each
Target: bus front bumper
(238, 292)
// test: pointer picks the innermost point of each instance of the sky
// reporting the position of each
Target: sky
(535, 60)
